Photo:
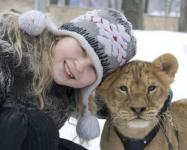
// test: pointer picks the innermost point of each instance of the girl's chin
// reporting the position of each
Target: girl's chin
(65, 80)
(76, 85)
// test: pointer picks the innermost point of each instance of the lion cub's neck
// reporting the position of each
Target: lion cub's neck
(136, 129)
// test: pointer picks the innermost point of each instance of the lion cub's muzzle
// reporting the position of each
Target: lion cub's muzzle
(138, 110)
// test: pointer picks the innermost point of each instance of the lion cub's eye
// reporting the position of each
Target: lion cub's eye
(123, 88)
(151, 88)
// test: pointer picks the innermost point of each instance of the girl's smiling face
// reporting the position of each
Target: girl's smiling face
(71, 65)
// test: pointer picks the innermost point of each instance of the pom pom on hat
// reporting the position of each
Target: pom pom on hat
(34, 22)
(88, 126)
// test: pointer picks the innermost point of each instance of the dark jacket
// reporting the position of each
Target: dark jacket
(16, 85)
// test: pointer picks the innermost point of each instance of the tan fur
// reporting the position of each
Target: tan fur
(132, 86)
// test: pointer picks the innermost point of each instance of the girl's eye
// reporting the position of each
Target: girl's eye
(151, 88)
(123, 88)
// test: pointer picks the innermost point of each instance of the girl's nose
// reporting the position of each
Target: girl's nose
(82, 64)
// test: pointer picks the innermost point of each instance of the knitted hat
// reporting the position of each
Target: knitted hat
(106, 35)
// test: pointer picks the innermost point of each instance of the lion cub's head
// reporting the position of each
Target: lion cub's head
(135, 93)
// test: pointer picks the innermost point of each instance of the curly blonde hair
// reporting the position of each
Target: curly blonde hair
(40, 50)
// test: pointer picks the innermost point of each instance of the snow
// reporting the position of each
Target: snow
(150, 44)
(163, 14)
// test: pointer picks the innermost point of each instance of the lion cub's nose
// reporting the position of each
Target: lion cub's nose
(138, 110)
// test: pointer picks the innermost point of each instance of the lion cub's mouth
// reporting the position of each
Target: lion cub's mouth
(138, 123)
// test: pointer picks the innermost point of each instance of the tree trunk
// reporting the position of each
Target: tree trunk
(183, 16)
(146, 6)
(116, 4)
(53, 1)
(42, 5)
(134, 10)
(66, 2)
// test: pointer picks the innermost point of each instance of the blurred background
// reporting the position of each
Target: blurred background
(160, 27)
(144, 14)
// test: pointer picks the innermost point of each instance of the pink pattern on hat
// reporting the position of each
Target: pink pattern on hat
(113, 36)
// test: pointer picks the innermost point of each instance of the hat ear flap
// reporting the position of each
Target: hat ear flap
(88, 126)
(168, 64)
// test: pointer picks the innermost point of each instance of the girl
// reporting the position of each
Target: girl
(47, 72)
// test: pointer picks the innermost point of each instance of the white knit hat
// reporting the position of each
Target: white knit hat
(105, 35)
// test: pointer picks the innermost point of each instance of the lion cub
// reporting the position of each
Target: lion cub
(138, 98)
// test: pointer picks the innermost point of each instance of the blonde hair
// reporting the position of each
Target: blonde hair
(40, 50)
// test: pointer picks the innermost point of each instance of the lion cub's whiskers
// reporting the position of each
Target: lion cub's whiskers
(150, 114)
(125, 114)
(121, 118)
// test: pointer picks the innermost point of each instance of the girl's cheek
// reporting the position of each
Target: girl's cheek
(92, 75)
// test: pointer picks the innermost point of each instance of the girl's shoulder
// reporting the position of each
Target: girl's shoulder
(4, 21)
(4, 44)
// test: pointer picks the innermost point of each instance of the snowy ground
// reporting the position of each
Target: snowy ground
(150, 44)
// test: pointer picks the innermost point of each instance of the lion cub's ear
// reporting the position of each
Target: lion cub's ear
(168, 64)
